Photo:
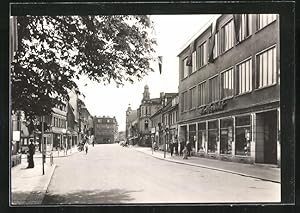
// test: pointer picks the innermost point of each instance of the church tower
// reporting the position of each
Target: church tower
(146, 94)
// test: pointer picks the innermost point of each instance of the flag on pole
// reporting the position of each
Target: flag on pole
(190, 58)
(160, 64)
(237, 18)
(212, 40)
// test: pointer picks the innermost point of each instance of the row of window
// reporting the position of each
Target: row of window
(145, 110)
(223, 131)
(59, 122)
(234, 81)
(225, 39)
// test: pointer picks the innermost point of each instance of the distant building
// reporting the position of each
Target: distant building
(164, 121)
(105, 129)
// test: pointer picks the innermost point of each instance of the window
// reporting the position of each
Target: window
(242, 135)
(244, 76)
(184, 103)
(227, 83)
(192, 134)
(193, 98)
(201, 136)
(264, 19)
(216, 49)
(194, 61)
(202, 55)
(202, 94)
(146, 124)
(212, 136)
(214, 89)
(226, 135)
(266, 68)
(245, 26)
(185, 68)
(227, 36)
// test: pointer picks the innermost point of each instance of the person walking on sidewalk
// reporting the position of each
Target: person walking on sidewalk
(185, 153)
(189, 148)
(86, 147)
(31, 152)
(171, 146)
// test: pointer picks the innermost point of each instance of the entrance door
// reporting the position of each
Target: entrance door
(270, 137)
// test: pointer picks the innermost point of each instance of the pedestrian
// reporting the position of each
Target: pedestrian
(93, 140)
(176, 146)
(86, 147)
(185, 153)
(171, 147)
(189, 148)
(31, 152)
(181, 148)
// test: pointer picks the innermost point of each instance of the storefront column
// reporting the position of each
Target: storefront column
(219, 138)
(196, 141)
(206, 138)
(253, 137)
(233, 138)
(278, 137)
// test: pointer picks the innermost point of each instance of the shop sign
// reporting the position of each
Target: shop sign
(213, 107)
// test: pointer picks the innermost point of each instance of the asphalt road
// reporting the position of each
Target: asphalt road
(111, 174)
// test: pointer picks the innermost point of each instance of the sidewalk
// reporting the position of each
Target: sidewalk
(28, 186)
(263, 172)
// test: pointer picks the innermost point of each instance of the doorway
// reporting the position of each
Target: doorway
(266, 138)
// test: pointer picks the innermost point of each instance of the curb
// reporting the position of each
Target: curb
(37, 197)
(211, 168)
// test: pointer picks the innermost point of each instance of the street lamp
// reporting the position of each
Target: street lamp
(165, 144)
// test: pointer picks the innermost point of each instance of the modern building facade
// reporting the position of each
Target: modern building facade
(229, 89)
(105, 129)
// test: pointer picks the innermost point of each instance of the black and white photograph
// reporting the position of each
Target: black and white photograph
(114, 109)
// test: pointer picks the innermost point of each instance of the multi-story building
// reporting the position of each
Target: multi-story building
(229, 89)
(164, 121)
(147, 108)
(105, 129)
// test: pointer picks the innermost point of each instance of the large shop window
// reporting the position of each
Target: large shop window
(214, 89)
(202, 94)
(192, 134)
(201, 136)
(244, 76)
(266, 68)
(212, 136)
(226, 136)
(227, 83)
(243, 135)
(202, 55)
(264, 19)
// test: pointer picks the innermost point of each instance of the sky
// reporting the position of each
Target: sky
(172, 33)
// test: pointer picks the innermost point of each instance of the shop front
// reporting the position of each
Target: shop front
(251, 137)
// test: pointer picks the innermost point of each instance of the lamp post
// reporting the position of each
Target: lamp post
(42, 146)
(165, 141)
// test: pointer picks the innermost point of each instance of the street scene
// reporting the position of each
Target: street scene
(137, 109)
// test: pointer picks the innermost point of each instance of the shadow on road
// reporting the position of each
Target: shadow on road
(90, 197)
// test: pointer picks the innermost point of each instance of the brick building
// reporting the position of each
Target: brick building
(229, 84)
